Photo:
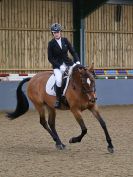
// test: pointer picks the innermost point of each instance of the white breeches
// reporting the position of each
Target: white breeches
(58, 76)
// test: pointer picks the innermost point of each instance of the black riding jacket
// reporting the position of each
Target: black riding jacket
(57, 56)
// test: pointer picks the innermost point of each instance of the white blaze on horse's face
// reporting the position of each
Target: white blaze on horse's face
(88, 81)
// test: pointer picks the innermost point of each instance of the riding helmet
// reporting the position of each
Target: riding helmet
(56, 27)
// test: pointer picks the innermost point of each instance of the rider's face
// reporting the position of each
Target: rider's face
(57, 35)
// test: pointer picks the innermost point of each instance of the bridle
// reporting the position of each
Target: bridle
(84, 80)
(88, 83)
(89, 91)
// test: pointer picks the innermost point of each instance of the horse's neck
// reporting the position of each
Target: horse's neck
(75, 80)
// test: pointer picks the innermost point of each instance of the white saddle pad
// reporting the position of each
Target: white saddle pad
(50, 86)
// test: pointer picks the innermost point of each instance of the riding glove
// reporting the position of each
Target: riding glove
(62, 68)
(78, 62)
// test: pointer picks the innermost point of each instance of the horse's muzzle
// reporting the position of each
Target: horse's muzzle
(92, 98)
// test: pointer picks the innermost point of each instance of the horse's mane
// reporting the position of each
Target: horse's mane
(78, 66)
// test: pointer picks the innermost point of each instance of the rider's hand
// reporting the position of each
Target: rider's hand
(78, 62)
(62, 68)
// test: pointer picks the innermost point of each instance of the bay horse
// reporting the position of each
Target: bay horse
(80, 95)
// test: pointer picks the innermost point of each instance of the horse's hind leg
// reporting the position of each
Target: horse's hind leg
(77, 114)
(95, 112)
(51, 122)
(43, 122)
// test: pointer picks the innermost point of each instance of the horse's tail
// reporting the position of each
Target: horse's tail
(22, 102)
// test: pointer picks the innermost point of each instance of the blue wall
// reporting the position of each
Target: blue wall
(8, 95)
(114, 92)
(109, 92)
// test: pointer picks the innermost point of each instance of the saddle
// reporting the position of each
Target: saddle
(51, 86)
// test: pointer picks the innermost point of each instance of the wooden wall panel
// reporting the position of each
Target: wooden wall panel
(109, 43)
(24, 32)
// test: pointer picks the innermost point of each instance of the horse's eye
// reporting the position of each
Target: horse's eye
(81, 68)
(88, 81)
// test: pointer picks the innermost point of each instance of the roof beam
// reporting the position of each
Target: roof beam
(81, 8)
(88, 6)
(121, 2)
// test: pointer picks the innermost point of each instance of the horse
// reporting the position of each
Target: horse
(80, 95)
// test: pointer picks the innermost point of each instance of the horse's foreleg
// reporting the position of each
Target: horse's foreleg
(51, 122)
(77, 115)
(95, 112)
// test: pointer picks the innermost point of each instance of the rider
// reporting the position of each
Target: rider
(58, 49)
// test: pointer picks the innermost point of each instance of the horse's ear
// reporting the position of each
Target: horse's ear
(80, 70)
(91, 68)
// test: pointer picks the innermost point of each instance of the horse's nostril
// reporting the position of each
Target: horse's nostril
(93, 100)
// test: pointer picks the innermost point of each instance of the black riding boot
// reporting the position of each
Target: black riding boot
(58, 97)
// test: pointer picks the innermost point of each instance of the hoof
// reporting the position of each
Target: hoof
(111, 150)
(74, 140)
(60, 146)
(71, 141)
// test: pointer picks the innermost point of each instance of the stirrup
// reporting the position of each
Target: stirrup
(57, 104)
